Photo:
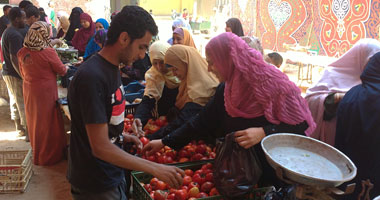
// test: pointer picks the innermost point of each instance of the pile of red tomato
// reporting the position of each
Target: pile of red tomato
(196, 184)
(151, 127)
(194, 151)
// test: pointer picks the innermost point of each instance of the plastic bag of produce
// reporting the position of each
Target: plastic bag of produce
(236, 170)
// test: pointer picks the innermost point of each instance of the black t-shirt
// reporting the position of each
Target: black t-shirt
(95, 96)
(12, 41)
(4, 21)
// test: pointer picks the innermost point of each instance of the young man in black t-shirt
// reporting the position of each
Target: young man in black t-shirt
(97, 106)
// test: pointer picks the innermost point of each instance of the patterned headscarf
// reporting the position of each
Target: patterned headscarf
(38, 36)
(101, 36)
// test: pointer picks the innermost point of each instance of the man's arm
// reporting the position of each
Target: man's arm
(103, 149)
(14, 61)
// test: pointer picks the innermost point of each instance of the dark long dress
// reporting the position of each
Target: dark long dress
(358, 127)
(39, 70)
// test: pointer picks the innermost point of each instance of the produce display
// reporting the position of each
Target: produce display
(194, 151)
(196, 184)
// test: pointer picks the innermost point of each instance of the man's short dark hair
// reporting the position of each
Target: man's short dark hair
(24, 3)
(32, 11)
(6, 7)
(276, 58)
(14, 13)
(131, 19)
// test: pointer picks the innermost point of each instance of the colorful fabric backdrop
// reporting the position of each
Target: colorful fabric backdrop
(329, 27)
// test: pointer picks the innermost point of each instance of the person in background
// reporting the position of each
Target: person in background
(39, 66)
(75, 24)
(4, 23)
(114, 14)
(183, 36)
(254, 43)
(100, 37)
(274, 58)
(92, 47)
(84, 34)
(23, 4)
(51, 17)
(358, 128)
(161, 87)
(45, 18)
(185, 13)
(12, 41)
(97, 106)
(32, 15)
(272, 105)
(64, 24)
(195, 90)
(178, 23)
(340, 76)
(234, 25)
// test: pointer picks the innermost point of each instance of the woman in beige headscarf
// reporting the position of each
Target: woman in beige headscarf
(161, 87)
(64, 24)
(196, 88)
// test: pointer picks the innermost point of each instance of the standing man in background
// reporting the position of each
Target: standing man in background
(4, 24)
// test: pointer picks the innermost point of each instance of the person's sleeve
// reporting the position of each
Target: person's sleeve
(144, 110)
(205, 122)
(91, 97)
(188, 111)
(15, 44)
(56, 63)
(91, 48)
(286, 128)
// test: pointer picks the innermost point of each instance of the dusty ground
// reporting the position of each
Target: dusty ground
(46, 182)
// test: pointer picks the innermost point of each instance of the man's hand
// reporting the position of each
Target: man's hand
(169, 174)
(137, 128)
(134, 139)
(249, 137)
(152, 147)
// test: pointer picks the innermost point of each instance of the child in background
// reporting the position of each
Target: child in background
(274, 58)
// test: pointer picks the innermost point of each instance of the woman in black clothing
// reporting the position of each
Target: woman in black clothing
(195, 90)
(255, 100)
(74, 23)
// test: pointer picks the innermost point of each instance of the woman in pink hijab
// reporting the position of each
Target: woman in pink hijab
(254, 100)
(339, 77)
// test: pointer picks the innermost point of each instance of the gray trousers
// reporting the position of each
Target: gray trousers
(16, 98)
(117, 193)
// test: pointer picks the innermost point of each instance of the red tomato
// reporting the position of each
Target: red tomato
(151, 194)
(144, 140)
(157, 154)
(153, 183)
(196, 157)
(130, 116)
(207, 166)
(200, 179)
(189, 172)
(172, 190)
(202, 195)
(183, 153)
(210, 177)
(208, 149)
(214, 192)
(184, 187)
(161, 185)
(192, 198)
(163, 118)
(152, 158)
(180, 194)
(160, 123)
(193, 184)
(187, 180)
(168, 159)
(201, 149)
(171, 196)
(154, 128)
(148, 188)
(206, 171)
(160, 195)
(161, 159)
(201, 142)
(207, 186)
(171, 153)
(193, 192)
(212, 155)
(166, 148)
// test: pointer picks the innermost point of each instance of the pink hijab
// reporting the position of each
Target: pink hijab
(254, 88)
(339, 76)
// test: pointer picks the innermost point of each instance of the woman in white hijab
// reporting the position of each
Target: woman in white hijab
(339, 77)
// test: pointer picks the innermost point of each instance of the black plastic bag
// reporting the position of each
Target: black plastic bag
(236, 170)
